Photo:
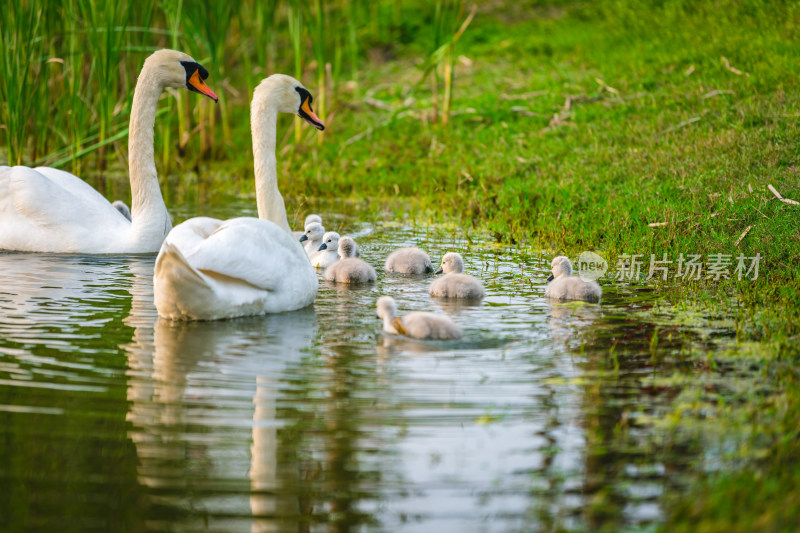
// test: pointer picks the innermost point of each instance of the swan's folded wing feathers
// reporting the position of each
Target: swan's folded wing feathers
(190, 235)
(255, 246)
(49, 203)
(72, 183)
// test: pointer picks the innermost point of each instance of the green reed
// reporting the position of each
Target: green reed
(104, 25)
(20, 66)
(319, 34)
(449, 24)
(69, 70)
(295, 24)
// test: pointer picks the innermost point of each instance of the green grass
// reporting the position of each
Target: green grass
(573, 126)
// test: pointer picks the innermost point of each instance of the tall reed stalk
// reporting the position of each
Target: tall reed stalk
(20, 66)
(295, 20)
(104, 25)
(321, 57)
(207, 23)
(447, 32)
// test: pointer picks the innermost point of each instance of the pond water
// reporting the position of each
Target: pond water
(113, 420)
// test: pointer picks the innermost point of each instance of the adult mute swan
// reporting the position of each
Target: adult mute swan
(454, 283)
(564, 286)
(48, 210)
(210, 269)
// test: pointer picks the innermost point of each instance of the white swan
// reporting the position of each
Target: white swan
(418, 325)
(312, 238)
(349, 268)
(48, 210)
(328, 251)
(564, 286)
(454, 283)
(210, 269)
(411, 260)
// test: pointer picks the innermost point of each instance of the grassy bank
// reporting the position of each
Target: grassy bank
(624, 127)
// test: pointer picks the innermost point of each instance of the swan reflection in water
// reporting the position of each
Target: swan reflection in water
(573, 323)
(194, 388)
(457, 306)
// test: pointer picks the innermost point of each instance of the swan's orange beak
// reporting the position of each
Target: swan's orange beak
(307, 114)
(196, 83)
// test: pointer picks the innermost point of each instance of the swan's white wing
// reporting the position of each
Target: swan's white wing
(41, 214)
(209, 269)
(191, 234)
(73, 184)
(252, 250)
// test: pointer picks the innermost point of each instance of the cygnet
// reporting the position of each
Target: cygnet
(122, 207)
(349, 268)
(411, 260)
(454, 283)
(312, 238)
(563, 286)
(309, 219)
(328, 251)
(418, 325)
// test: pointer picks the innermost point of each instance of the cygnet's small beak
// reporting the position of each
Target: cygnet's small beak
(304, 238)
(441, 269)
(323, 246)
(551, 277)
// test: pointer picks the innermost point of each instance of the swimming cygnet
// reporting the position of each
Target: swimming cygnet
(312, 238)
(418, 325)
(349, 268)
(411, 260)
(328, 251)
(122, 207)
(454, 283)
(309, 219)
(563, 286)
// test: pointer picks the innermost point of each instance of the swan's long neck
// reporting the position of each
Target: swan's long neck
(263, 124)
(149, 216)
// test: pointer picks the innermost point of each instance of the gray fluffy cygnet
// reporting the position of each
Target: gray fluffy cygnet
(418, 325)
(411, 260)
(454, 283)
(349, 268)
(564, 286)
(122, 207)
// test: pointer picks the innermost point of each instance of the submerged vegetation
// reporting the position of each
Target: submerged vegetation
(643, 127)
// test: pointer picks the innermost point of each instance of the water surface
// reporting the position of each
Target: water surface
(114, 420)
